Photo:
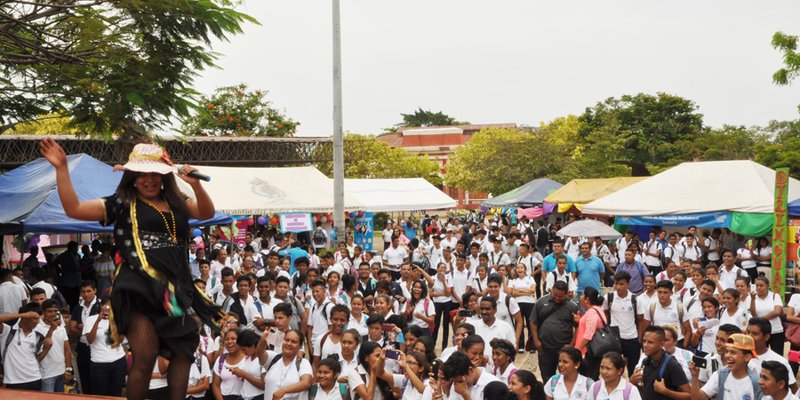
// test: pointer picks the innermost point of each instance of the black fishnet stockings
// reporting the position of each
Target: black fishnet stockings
(143, 341)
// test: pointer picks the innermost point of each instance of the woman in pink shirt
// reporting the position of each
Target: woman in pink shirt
(591, 321)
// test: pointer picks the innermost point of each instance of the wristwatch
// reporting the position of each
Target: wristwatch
(68, 369)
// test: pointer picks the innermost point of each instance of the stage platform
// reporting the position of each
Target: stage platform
(30, 395)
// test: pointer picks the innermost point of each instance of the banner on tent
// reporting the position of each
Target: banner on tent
(703, 220)
(364, 230)
(296, 222)
(780, 226)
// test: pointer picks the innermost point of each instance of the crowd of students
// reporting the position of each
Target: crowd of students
(693, 321)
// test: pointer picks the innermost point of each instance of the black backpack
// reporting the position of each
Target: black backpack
(319, 237)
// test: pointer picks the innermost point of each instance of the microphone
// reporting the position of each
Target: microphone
(194, 174)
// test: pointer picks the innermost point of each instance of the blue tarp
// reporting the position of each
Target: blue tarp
(712, 219)
(29, 200)
(528, 195)
(794, 208)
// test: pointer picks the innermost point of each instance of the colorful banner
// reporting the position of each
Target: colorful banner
(239, 236)
(703, 220)
(296, 222)
(780, 228)
(794, 240)
(364, 230)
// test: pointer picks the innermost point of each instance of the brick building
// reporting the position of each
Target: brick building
(438, 142)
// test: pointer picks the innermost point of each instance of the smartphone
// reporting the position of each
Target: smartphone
(794, 356)
(465, 313)
(699, 362)
(387, 327)
(435, 367)
(392, 354)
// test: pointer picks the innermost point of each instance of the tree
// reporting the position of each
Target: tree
(497, 160)
(120, 66)
(422, 117)
(236, 111)
(367, 157)
(49, 125)
(639, 129)
(791, 58)
(783, 148)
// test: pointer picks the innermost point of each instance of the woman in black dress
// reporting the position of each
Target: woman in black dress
(153, 300)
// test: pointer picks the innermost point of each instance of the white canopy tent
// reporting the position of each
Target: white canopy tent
(399, 194)
(697, 187)
(239, 191)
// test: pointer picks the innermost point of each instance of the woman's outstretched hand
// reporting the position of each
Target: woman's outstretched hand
(53, 153)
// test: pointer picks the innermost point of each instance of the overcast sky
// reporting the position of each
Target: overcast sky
(510, 61)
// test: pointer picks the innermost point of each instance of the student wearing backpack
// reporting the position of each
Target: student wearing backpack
(327, 386)
(21, 361)
(660, 377)
(621, 309)
(665, 310)
(735, 380)
(769, 305)
(330, 342)
(714, 359)
(612, 386)
(568, 384)
(419, 310)
(560, 274)
(758, 329)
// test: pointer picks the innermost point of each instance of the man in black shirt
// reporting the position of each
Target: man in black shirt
(552, 321)
(660, 377)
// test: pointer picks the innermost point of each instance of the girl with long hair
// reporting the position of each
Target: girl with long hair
(525, 386)
(731, 313)
(441, 292)
(419, 310)
(568, 384)
(153, 290)
(612, 386)
(768, 305)
(363, 381)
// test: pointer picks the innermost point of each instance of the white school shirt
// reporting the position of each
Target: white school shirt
(770, 355)
(230, 384)
(420, 308)
(253, 368)
(523, 283)
(530, 262)
(713, 246)
(476, 391)
(479, 284)
(623, 315)
(161, 381)
(643, 302)
(282, 375)
(652, 247)
(317, 321)
(102, 352)
(439, 286)
(460, 280)
(195, 374)
(360, 326)
(728, 278)
(739, 319)
(667, 315)
(20, 357)
(550, 281)
(354, 380)
(766, 306)
(323, 350)
(580, 391)
(750, 262)
(504, 376)
(500, 258)
(503, 313)
(498, 329)
(251, 312)
(394, 257)
(690, 253)
(54, 363)
(734, 388)
(616, 394)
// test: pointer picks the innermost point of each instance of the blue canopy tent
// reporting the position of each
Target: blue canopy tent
(528, 195)
(29, 201)
(794, 208)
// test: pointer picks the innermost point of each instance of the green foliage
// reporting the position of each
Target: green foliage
(236, 111)
(367, 157)
(639, 130)
(497, 160)
(783, 148)
(791, 58)
(50, 125)
(121, 65)
(422, 117)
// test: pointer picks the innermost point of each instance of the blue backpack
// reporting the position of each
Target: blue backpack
(723, 374)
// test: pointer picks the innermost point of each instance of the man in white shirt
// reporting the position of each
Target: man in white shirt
(88, 305)
(460, 277)
(623, 243)
(490, 327)
(436, 252)
(319, 315)
(690, 250)
(474, 258)
(572, 246)
(671, 251)
(258, 312)
(449, 240)
(12, 296)
(738, 381)
(652, 251)
(620, 307)
(469, 379)
(759, 329)
(496, 256)
(330, 342)
(394, 257)
(667, 311)
(507, 309)
(56, 366)
(728, 271)
(26, 348)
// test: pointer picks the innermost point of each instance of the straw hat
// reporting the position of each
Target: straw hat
(146, 157)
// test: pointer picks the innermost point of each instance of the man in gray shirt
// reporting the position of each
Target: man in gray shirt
(552, 323)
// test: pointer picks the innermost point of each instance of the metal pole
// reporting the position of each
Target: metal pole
(338, 136)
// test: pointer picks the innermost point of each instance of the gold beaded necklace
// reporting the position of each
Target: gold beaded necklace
(173, 233)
